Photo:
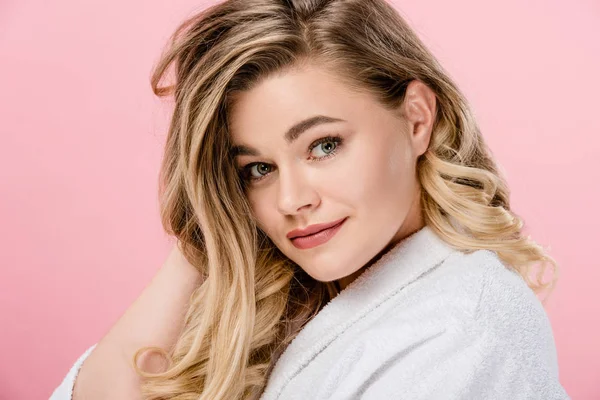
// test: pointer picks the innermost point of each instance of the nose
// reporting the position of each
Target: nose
(296, 193)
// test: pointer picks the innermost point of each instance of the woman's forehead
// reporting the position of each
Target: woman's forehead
(288, 102)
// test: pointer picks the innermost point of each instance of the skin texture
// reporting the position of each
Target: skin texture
(370, 177)
(155, 318)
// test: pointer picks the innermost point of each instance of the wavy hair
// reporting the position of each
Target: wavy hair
(253, 300)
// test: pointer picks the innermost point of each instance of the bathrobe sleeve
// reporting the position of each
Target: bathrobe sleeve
(504, 350)
(64, 391)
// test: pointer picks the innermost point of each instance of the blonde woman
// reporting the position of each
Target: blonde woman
(343, 230)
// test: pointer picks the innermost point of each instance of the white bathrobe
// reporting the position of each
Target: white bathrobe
(424, 322)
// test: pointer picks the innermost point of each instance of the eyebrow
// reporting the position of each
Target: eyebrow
(290, 136)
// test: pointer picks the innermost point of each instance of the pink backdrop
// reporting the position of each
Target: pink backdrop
(82, 137)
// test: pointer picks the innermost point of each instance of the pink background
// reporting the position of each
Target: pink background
(82, 138)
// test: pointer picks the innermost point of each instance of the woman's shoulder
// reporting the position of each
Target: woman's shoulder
(499, 294)
(476, 296)
(467, 287)
(509, 308)
(469, 328)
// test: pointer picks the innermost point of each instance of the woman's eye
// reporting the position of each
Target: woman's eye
(254, 172)
(261, 169)
(326, 147)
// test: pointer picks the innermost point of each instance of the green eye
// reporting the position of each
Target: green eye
(247, 174)
(261, 170)
(327, 147)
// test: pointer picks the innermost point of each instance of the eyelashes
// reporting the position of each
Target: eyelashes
(246, 172)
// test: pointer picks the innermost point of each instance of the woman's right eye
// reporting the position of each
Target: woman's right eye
(255, 174)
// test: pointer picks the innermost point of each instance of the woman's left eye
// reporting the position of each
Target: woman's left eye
(327, 146)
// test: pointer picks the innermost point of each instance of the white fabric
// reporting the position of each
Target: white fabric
(65, 390)
(423, 322)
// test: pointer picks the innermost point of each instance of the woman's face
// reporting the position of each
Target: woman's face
(315, 152)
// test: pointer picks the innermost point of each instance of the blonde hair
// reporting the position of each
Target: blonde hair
(254, 300)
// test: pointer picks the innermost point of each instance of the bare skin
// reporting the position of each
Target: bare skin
(154, 318)
(357, 163)
(372, 181)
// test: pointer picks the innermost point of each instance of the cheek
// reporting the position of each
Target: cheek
(381, 180)
(262, 211)
(377, 175)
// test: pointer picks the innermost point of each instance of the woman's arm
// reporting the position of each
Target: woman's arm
(155, 318)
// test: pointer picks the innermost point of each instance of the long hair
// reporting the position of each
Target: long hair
(253, 300)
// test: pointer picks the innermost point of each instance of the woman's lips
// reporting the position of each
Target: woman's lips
(316, 239)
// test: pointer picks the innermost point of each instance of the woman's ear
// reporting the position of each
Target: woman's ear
(419, 111)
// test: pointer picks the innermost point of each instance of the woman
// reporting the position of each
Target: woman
(352, 234)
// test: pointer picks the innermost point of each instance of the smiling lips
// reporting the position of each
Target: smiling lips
(315, 235)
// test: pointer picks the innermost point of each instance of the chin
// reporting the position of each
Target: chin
(323, 278)
(325, 273)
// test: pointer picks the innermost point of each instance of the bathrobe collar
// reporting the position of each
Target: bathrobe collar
(401, 265)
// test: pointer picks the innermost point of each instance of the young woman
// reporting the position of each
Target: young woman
(344, 230)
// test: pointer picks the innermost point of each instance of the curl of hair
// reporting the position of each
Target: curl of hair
(253, 300)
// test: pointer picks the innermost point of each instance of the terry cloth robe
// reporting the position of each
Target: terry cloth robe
(425, 321)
